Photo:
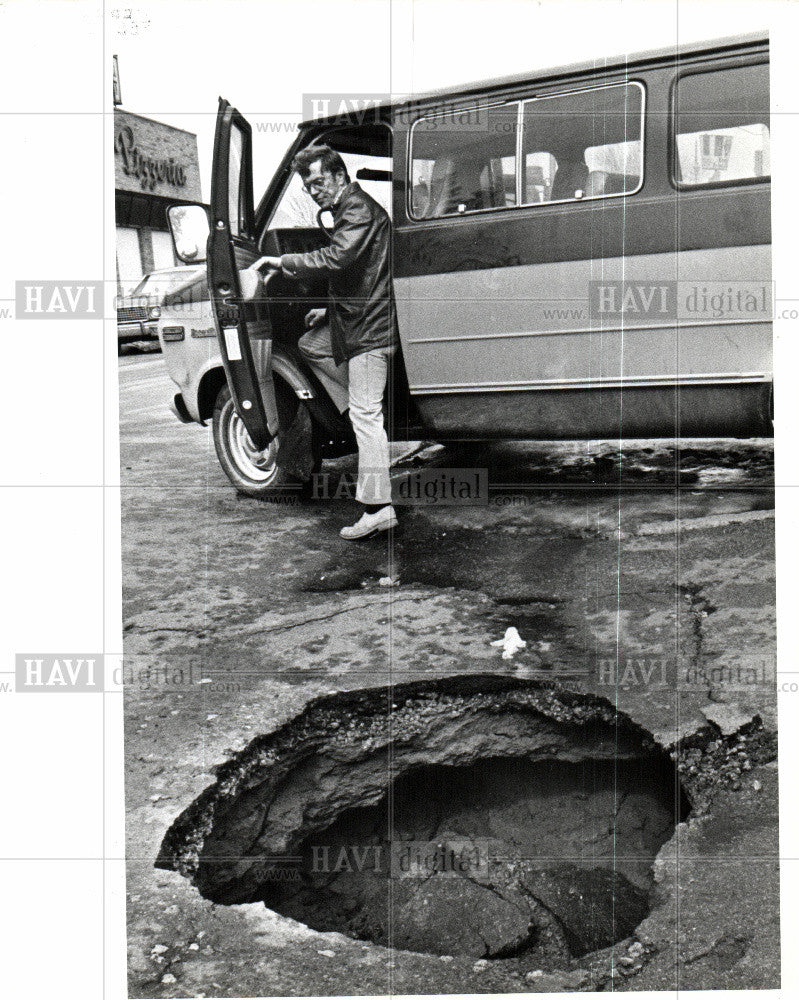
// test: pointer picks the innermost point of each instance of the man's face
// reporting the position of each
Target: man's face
(322, 185)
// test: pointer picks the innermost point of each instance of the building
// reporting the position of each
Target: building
(156, 165)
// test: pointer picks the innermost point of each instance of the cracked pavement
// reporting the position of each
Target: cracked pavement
(645, 576)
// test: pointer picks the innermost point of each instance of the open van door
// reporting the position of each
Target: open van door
(243, 328)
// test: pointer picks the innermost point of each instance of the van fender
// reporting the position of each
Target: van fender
(293, 376)
(288, 364)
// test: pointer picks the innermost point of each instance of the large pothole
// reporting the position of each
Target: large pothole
(480, 816)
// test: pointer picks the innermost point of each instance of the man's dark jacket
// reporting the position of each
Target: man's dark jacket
(357, 264)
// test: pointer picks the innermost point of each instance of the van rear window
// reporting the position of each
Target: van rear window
(721, 126)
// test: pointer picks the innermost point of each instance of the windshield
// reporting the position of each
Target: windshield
(296, 208)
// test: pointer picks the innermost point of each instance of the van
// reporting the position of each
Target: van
(583, 252)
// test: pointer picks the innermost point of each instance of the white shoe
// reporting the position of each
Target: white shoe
(370, 524)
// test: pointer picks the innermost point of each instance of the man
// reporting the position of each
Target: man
(350, 344)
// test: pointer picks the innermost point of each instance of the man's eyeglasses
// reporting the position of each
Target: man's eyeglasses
(315, 185)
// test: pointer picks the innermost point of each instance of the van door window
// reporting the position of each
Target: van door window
(721, 126)
(463, 161)
(235, 209)
(585, 144)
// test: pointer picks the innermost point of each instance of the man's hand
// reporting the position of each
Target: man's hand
(272, 263)
(251, 279)
(316, 317)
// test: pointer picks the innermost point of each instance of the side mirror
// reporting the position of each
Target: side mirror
(190, 228)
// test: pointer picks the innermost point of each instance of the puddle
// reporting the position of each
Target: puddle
(530, 580)
(499, 564)
(731, 462)
(528, 563)
(480, 816)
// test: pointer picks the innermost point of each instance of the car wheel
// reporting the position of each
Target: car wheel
(281, 470)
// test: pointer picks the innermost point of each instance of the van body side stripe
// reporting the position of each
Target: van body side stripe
(586, 231)
(537, 324)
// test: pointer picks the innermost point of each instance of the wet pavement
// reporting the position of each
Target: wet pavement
(643, 574)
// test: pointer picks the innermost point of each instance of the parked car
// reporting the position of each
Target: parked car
(138, 312)
(187, 334)
(583, 252)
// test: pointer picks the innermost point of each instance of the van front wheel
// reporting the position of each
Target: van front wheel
(284, 467)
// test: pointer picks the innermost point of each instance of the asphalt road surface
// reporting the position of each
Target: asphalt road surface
(642, 573)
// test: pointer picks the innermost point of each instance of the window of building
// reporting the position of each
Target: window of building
(163, 254)
(721, 126)
(129, 266)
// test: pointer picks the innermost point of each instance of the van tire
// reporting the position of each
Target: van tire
(282, 470)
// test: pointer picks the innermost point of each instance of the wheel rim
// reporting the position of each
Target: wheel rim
(259, 466)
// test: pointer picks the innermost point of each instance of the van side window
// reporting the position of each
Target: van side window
(721, 126)
(464, 161)
(586, 144)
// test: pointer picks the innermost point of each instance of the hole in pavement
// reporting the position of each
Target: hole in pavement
(502, 858)
(480, 816)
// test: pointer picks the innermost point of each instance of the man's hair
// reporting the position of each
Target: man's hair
(330, 161)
